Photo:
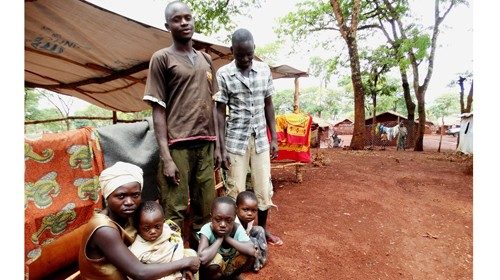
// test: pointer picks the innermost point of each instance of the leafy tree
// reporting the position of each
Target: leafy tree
(388, 25)
(315, 101)
(60, 102)
(324, 68)
(420, 47)
(94, 111)
(269, 52)
(212, 16)
(321, 102)
(375, 66)
(31, 99)
(393, 102)
(32, 111)
(283, 101)
(342, 16)
(445, 105)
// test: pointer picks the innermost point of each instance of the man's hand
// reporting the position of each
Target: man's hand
(171, 172)
(217, 159)
(274, 149)
(226, 162)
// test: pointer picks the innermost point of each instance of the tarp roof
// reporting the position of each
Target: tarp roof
(76, 48)
(321, 122)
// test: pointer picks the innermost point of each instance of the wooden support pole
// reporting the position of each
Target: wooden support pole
(115, 117)
(296, 94)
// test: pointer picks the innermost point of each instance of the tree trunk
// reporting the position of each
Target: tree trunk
(358, 137)
(374, 118)
(468, 109)
(419, 141)
(462, 103)
(410, 107)
(349, 35)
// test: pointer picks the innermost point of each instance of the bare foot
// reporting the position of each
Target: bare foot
(273, 239)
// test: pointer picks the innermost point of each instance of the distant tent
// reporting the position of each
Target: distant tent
(466, 125)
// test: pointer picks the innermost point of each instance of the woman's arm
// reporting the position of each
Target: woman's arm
(207, 252)
(110, 243)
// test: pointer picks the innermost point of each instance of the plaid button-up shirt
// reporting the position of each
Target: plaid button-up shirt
(245, 99)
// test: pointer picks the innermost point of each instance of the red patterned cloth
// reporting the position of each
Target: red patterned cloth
(293, 132)
(61, 188)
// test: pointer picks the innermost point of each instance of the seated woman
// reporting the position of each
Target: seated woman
(104, 252)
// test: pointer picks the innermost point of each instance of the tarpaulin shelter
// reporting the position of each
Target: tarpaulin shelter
(76, 48)
(466, 127)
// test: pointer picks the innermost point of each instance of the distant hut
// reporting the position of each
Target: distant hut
(343, 127)
(321, 137)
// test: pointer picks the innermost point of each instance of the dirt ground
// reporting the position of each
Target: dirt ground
(374, 215)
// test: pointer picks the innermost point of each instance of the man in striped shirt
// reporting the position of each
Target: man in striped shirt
(245, 87)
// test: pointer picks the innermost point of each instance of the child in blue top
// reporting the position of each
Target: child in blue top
(225, 250)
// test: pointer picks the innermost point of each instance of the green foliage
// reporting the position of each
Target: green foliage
(309, 16)
(212, 16)
(390, 97)
(445, 105)
(96, 111)
(375, 66)
(283, 101)
(31, 99)
(324, 68)
(269, 52)
(393, 102)
(32, 112)
(323, 102)
(320, 101)
(418, 42)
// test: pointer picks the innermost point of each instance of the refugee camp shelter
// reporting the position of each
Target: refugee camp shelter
(76, 48)
(343, 127)
(321, 132)
(391, 118)
(466, 127)
(387, 117)
(448, 122)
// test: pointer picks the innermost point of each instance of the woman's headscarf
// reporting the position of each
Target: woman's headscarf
(118, 175)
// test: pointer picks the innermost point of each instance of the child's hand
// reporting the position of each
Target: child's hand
(192, 263)
(187, 275)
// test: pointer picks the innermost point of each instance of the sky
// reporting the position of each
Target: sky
(454, 51)
(453, 55)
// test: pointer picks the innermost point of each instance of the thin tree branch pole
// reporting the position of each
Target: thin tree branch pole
(296, 95)
(78, 118)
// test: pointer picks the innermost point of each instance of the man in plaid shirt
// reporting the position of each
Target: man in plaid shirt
(246, 86)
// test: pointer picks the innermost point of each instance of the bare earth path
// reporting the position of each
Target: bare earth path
(374, 215)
